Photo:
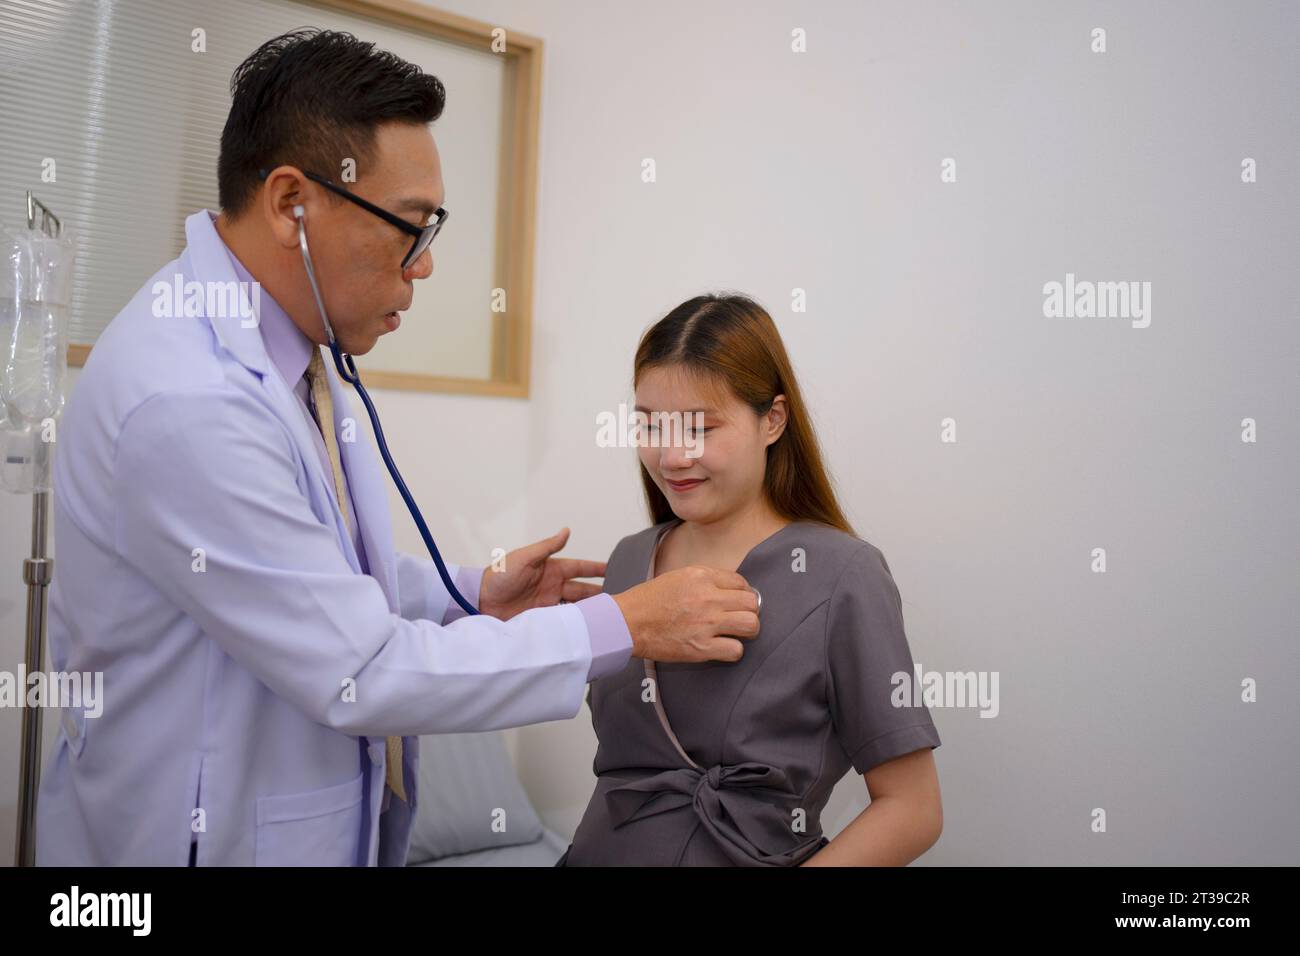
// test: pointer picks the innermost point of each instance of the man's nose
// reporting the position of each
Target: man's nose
(422, 267)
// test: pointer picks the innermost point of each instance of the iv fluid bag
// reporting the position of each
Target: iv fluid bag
(35, 292)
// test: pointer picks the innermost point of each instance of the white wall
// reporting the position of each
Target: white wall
(821, 171)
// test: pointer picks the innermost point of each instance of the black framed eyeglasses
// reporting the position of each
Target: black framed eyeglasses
(422, 236)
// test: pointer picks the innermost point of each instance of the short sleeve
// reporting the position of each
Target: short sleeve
(875, 719)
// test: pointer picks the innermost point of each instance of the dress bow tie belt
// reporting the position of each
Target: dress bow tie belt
(734, 803)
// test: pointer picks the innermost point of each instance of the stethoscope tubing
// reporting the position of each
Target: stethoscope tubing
(347, 369)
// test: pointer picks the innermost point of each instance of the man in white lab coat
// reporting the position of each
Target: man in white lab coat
(224, 547)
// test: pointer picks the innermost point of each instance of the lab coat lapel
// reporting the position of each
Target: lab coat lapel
(370, 500)
(369, 494)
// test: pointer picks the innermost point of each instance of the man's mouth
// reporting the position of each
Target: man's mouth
(392, 320)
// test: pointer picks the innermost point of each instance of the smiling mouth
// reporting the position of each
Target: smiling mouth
(684, 485)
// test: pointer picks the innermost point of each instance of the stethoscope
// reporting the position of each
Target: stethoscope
(347, 370)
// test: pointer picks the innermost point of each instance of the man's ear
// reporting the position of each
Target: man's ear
(777, 416)
(284, 189)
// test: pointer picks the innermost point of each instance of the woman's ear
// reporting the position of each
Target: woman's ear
(776, 418)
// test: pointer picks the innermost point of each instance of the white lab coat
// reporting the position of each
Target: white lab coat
(202, 565)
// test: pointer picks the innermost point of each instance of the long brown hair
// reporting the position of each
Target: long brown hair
(730, 342)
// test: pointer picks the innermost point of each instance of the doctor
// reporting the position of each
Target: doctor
(227, 562)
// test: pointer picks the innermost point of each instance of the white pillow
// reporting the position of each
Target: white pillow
(469, 798)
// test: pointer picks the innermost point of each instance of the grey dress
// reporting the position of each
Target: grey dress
(731, 764)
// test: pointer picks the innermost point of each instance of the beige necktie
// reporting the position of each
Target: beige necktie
(320, 394)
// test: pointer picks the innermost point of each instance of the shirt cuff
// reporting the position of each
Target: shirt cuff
(611, 641)
(467, 581)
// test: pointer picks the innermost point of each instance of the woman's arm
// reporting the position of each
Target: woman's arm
(904, 819)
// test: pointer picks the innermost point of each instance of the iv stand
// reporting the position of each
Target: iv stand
(37, 571)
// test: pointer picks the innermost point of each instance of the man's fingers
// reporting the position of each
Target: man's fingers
(731, 601)
(577, 590)
(739, 624)
(539, 551)
(724, 649)
(728, 580)
(579, 568)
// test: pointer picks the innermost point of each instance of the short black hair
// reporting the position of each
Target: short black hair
(312, 98)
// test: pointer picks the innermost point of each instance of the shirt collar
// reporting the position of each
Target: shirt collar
(286, 344)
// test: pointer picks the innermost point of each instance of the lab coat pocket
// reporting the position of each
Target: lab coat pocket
(315, 828)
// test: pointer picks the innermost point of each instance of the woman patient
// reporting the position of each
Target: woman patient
(731, 763)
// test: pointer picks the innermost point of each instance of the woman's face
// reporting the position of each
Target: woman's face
(708, 466)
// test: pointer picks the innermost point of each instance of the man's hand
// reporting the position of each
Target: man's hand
(691, 614)
(532, 578)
